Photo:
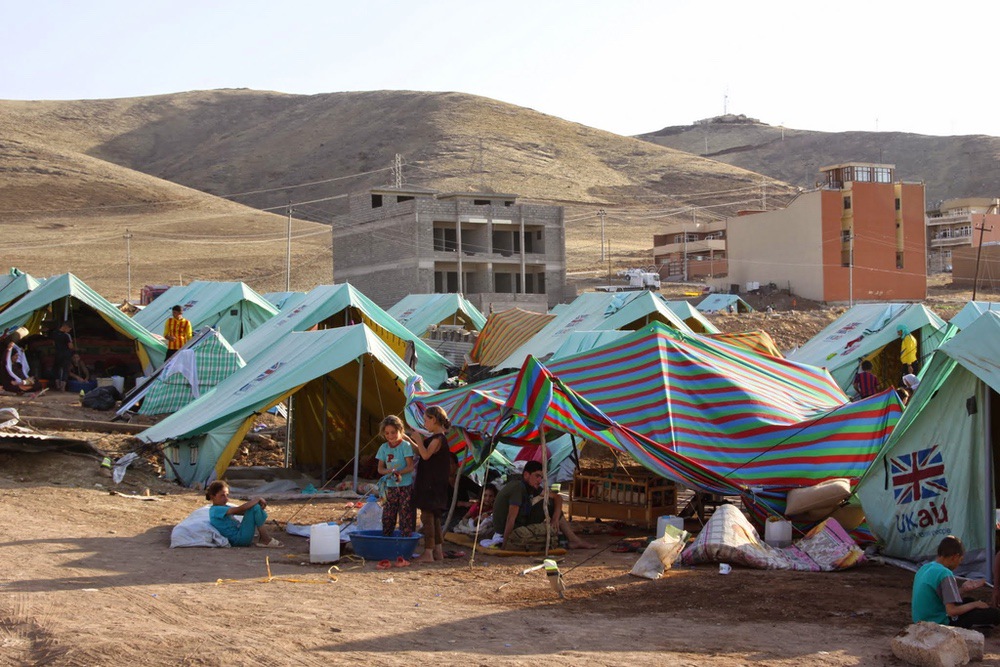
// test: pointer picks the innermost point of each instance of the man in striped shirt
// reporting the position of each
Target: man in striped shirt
(177, 331)
(865, 382)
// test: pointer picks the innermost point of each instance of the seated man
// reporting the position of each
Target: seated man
(78, 375)
(519, 514)
(937, 597)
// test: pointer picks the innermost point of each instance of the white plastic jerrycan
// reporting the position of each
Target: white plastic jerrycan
(324, 543)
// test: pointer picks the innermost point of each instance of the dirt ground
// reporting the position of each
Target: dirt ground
(89, 578)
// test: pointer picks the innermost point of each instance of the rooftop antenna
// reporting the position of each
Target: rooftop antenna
(725, 102)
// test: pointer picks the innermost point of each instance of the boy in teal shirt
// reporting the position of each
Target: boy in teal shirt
(937, 597)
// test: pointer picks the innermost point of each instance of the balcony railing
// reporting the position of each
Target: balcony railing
(950, 219)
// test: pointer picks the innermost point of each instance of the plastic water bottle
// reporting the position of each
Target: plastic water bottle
(370, 515)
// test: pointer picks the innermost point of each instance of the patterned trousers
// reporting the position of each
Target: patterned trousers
(399, 501)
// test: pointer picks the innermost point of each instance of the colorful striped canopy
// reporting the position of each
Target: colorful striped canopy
(504, 332)
(686, 403)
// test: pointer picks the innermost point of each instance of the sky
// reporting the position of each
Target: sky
(626, 66)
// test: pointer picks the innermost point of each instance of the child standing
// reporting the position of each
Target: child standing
(430, 489)
(395, 461)
(239, 533)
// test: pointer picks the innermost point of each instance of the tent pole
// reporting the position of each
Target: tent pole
(545, 491)
(288, 432)
(322, 476)
(357, 423)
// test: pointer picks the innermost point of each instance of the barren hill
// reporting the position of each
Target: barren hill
(85, 170)
(956, 166)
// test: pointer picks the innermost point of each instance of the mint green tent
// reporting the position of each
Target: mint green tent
(14, 285)
(330, 306)
(692, 317)
(282, 300)
(721, 303)
(105, 337)
(233, 309)
(419, 312)
(341, 382)
(967, 315)
(936, 475)
(596, 311)
(870, 331)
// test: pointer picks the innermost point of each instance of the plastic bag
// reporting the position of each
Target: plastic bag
(660, 554)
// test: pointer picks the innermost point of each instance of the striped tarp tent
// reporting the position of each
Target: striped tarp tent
(755, 420)
(534, 403)
(504, 332)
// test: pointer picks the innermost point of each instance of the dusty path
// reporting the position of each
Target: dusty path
(89, 579)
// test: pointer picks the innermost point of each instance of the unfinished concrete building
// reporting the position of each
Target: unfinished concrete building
(497, 252)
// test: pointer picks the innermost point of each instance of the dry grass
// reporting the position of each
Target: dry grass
(76, 174)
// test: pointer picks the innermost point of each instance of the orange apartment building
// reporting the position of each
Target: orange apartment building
(860, 236)
(954, 224)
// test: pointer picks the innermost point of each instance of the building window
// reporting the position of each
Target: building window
(376, 201)
(847, 203)
(899, 260)
(401, 198)
(481, 202)
(508, 203)
(883, 175)
(845, 236)
(445, 239)
(845, 257)
(898, 203)
(863, 174)
(445, 282)
(193, 455)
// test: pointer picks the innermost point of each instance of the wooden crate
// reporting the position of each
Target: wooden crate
(635, 495)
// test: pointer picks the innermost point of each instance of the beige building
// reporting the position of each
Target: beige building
(859, 237)
(954, 224)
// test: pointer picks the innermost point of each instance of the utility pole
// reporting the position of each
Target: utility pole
(128, 264)
(982, 229)
(397, 171)
(600, 214)
(609, 259)
(763, 194)
(288, 252)
(850, 283)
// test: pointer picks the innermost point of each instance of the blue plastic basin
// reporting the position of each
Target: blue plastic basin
(373, 545)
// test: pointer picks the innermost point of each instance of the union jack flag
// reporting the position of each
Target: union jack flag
(918, 476)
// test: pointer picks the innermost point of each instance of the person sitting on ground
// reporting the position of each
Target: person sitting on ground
(15, 376)
(865, 382)
(489, 496)
(239, 533)
(79, 375)
(938, 598)
(519, 517)
(78, 370)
